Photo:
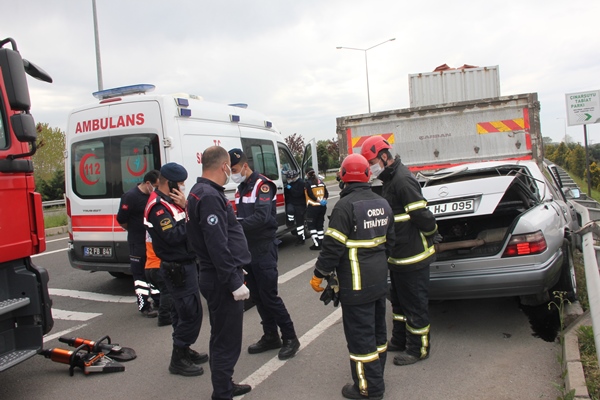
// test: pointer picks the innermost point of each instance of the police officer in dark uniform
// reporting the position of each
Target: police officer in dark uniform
(255, 200)
(165, 222)
(295, 204)
(416, 233)
(219, 241)
(360, 231)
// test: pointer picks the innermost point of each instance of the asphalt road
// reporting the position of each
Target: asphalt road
(481, 349)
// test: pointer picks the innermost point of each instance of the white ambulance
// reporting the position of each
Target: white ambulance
(110, 145)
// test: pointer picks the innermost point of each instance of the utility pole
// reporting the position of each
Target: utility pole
(98, 60)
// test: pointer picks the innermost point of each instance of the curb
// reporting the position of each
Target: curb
(56, 231)
(571, 360)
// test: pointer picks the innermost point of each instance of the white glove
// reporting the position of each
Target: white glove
(242, 293)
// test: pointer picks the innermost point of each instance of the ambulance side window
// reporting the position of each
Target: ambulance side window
(261, 157)
(287, 162)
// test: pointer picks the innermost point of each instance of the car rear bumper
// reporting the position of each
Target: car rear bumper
(517, 280)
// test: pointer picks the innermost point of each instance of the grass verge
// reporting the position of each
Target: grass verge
(55, 220)
(589, 360)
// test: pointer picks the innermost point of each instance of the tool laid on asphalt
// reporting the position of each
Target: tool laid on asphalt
(102, 345)
(82, 358)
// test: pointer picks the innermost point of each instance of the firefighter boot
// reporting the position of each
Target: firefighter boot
(350, 391)
(182, 364)
(268, 341)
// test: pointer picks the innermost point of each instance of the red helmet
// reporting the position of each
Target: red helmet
(372, 146)
(355, 168)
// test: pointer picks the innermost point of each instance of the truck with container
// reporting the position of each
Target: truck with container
(506, 223)
(129, 131)
(25, 306)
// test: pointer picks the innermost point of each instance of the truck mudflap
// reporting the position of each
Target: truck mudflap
(25, 311)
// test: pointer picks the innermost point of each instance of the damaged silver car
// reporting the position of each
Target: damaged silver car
(507, 231)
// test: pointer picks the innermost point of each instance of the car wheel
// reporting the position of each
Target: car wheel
(566, 282)
(120, 275)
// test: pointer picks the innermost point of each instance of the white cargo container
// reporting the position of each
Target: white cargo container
(438, 136)
(453, 85)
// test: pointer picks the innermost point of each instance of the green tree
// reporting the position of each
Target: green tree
(575, 161)
(54, 188)
(296, 144)
(560, 154)
(49, 156)
(323, 155)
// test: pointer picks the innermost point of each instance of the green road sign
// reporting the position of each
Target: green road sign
(583, 108)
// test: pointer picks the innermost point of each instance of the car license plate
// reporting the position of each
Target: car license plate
(97, 251)
(453, 207)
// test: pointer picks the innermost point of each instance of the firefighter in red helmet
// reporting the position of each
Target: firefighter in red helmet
(353, 260)
(409, 261)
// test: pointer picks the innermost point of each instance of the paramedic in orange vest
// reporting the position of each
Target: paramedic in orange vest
(131, 218)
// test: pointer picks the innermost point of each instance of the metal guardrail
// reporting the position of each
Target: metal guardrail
(53, 203)
(589, 218)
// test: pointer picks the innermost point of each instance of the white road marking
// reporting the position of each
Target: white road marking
(271, 366)
(48, 338)
(77, 294)
(48, 252)
(73, 315)
(297, 271)
(57, 240)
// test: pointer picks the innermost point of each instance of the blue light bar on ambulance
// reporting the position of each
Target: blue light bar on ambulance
(239, 105)
(234, 118)
(181, 102)
(268, 124)
(123, 91)
(185, 112)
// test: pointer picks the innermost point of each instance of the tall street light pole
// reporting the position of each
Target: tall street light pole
(366, 65)
(98, 61)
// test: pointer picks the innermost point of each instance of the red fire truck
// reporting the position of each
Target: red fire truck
(25, 314)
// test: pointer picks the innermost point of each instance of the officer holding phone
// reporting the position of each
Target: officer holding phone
(164, 218)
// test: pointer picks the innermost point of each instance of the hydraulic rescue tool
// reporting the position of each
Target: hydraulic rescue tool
(102, 345)
(81, 357)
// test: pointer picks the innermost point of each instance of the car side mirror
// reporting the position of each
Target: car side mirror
(573, 193)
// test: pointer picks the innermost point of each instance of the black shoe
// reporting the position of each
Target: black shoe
(182, 364)
(407, 359)
(149, 312)
(289, 349)
(392, 346)
(267, 342)
(197, 358)
(240, 389)
(350, 391)
(315, 247)
(163, 322)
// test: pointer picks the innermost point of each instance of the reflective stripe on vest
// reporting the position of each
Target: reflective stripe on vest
(251, 196)
(417, 257)
(175, 211)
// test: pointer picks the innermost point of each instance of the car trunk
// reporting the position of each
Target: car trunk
(498, 202)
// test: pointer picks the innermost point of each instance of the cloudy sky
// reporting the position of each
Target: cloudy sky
(280, 56)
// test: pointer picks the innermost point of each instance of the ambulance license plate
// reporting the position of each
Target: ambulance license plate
(97, 251)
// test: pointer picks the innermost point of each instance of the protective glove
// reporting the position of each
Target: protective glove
(331, 292)
(323, 202)
(437, 238)
(241, 293)
(288, 187)
(316, 284)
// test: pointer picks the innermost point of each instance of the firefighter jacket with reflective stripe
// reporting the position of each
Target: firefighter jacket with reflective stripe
(255, 201)
(165, 221)
(415, 224)
(360, 233)
(315, 191)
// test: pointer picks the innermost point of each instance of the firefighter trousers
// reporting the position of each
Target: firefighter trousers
(366, 336)
(409, 295)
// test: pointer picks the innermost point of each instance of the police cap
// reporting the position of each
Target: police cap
(235, 155)
(174, 172)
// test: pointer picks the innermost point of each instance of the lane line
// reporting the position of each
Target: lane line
(49, 252)
(271, 366)
(77, 294)
(73, 315)
(297, 271)
(48, 338)
(57, 240)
